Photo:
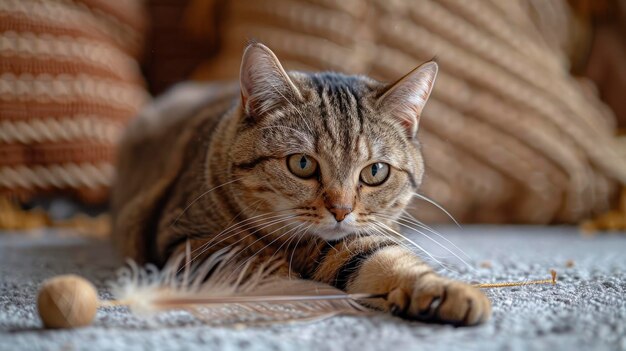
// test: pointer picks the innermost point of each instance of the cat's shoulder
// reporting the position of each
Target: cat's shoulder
(180, 103)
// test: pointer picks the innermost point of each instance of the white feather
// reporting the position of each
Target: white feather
(216, 293)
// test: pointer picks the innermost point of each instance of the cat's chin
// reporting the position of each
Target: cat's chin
(334, 232)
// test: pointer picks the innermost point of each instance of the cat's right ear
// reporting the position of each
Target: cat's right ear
(264, 83)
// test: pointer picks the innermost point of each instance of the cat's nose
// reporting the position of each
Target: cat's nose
(338, 203)
(340, 211)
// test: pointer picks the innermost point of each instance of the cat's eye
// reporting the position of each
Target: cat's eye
(302, 165)
(375, 174)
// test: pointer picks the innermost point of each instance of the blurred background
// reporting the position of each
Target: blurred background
(523, 125)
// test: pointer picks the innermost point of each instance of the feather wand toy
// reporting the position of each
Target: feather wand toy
(212, 291)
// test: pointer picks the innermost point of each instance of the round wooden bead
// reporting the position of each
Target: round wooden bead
(67, 301)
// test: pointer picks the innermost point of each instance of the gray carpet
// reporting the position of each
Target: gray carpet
(585, 311)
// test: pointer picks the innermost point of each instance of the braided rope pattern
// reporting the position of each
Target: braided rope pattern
(67, 49)
(69, 82)
(65, 88)
(75, 14)
(57, 130)
(57, 176)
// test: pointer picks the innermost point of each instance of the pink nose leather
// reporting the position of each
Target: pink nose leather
(338, 203)
(340, 211)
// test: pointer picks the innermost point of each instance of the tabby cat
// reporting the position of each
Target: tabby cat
(311, 168)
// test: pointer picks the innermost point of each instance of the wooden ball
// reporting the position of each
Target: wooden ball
(67, 301)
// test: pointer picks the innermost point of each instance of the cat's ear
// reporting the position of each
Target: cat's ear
(405, 99)
(264, 83)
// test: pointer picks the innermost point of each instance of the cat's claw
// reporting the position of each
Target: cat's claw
(440, 301)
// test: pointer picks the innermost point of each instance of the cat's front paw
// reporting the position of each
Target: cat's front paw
(440, 300)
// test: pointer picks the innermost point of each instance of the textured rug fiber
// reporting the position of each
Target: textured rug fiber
(586, 310)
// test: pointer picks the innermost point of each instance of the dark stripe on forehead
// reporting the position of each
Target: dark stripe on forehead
(345, 118)
(359, 110)
(325, 119)
(334, 93)
(320, 88)
(357, 118)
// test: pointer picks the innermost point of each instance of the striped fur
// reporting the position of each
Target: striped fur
(207, 168)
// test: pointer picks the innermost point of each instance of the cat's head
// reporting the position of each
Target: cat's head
(330, 153)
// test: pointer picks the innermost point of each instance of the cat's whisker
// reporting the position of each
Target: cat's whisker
(432, 202)
(416, 245)
(297, 234)
(291, 241)
(230, 226)
(406, 223)
(256, 203)
(431, 239)
(268, 245)
(347, 248)
(251, 222)
(266, 225)
(248, 223)
(390, 237)
(202, 195)
(251, 229)
(206, 246)
(296, 247)
(296, 230)
(430, 229)
(408, 244)
(279, 236)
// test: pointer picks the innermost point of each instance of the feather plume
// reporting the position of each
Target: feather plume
(220, 292)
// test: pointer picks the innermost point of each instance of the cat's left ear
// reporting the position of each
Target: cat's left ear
(405, 99)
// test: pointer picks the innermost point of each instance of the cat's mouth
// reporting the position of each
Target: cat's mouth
(334, 231)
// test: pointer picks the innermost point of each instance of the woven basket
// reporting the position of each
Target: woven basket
(69, 82)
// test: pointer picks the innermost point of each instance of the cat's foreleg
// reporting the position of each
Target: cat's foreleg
(411, 288)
